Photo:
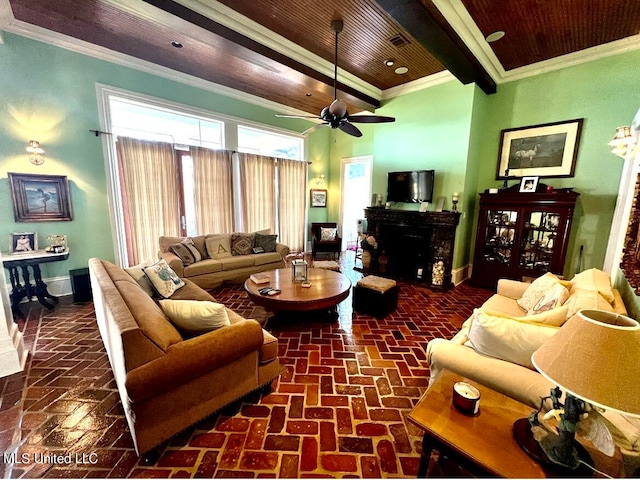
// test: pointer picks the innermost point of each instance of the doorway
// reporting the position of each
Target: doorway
(355, 187)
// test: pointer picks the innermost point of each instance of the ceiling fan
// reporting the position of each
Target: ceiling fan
(336, 114)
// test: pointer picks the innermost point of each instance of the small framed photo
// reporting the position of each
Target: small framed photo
(25, 242)
(318, 197)
(528, 184)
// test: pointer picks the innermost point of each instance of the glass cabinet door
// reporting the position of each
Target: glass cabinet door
(539, 233)
(499, 236)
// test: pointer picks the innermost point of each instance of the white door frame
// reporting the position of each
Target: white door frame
(343, 162)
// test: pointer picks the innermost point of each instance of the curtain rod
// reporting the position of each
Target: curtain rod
(97, 133)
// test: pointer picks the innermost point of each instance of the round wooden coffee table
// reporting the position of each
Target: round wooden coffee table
(328, 288)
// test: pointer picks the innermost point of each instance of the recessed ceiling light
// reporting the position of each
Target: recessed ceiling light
(492, 37)
(401, 70)
(307, 94)
(389, 62)
(176, 44)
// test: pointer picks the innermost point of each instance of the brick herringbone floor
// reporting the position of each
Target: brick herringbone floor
(340, 410)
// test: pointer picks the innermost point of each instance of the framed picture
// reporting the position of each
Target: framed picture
(547, 150)
(24, 242)
(318, 197)
(40, 198)
(528, 184)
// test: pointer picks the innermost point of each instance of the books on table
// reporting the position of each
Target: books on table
(259, 278)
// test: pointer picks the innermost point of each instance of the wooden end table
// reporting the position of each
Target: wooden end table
(483, 444)
(328, 288)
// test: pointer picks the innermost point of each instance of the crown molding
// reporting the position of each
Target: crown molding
(85, 48)
(457, 15)
(576, 58)
(419, 84)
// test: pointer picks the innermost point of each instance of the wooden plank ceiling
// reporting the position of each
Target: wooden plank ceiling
(536, 30)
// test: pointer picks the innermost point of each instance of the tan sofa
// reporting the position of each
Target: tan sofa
(519, 382)
(211, 273)
(166, 382)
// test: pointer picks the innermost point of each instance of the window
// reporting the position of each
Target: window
(132, 115)
(269, 144)
(149, 122)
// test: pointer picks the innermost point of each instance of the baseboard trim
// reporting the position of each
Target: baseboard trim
(459, 275)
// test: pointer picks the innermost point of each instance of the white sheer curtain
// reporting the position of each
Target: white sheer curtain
(150, 195)
(257, 192)
(213, 182)
(292, 190)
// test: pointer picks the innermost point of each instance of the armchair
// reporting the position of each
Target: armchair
(330, 243)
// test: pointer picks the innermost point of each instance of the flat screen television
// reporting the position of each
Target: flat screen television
(410, 187)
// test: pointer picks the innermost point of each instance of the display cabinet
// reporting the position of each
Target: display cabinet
(522, 234)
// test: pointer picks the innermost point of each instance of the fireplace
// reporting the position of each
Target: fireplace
(417, 246)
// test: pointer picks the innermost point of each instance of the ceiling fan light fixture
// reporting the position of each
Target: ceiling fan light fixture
(495, 36)
(401, 70)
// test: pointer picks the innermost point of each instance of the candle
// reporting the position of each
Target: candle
(466, 398)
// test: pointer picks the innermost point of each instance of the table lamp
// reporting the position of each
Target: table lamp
(593, 358)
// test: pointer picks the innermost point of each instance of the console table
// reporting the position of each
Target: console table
(18, 265)
(418, 245)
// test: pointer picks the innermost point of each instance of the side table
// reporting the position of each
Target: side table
(21, 279)
(484, 444)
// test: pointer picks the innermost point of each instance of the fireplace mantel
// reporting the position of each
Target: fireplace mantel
(414, 243)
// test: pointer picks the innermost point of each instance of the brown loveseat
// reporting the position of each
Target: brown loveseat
(166, 382)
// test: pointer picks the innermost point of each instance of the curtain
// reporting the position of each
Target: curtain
(257, 192)
(292, 189)
(151, 195)
(213, 182)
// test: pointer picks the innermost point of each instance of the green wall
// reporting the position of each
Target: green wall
(606, 93)
(456, 130)
(56, 104)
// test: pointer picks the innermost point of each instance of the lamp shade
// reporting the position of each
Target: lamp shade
(595, 356)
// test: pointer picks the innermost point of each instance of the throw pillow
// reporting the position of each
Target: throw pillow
(328, 234)
(137, 273)
(195, 317)
(586, 298)
(595, 279)
(163, 278)
(186, 251)
(218, 246)
(511, 340)
(552, 298)
(241, 243)
(536, 290)
(267, 242)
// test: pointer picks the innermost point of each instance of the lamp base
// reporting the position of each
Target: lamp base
(524, 438)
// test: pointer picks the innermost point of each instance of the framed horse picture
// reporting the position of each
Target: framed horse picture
(547, 150)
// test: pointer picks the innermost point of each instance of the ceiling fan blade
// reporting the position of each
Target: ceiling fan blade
(314, 128)
(346, 127)
(370, 119)
(296, 116)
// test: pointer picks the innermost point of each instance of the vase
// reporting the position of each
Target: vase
(366, 259)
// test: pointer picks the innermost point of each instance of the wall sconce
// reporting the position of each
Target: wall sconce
(35, 157)
(320, 179)
(622, 141)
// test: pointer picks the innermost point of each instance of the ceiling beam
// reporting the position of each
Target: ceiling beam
(216, 28)
(427, 26)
